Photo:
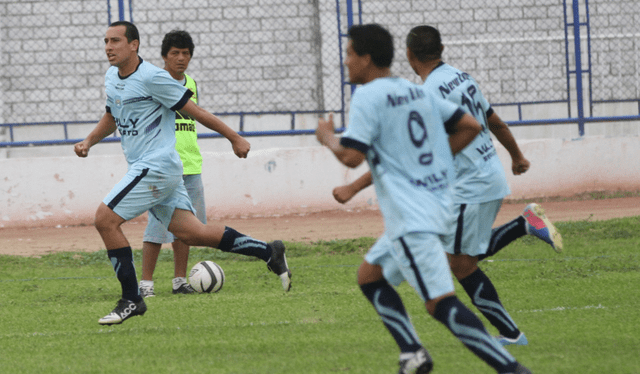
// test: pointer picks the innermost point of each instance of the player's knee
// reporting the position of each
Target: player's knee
(461, 268)
(368, 273)
(104, 221)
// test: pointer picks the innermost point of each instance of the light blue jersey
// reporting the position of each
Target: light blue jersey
(143, 106)
(399, 126)
(480, 176)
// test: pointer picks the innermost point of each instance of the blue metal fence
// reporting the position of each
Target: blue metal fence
(578, 65)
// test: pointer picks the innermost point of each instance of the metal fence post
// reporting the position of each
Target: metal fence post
(578, 71)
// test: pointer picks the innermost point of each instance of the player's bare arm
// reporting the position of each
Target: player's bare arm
(466, 129)
(239, 144)
(519, 164)
(105, 127)
(325, 133)
(344, 193)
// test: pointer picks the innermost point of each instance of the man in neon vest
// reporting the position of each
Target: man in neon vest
(177, 50)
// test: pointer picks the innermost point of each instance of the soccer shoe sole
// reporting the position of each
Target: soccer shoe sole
(554, 235)
(520, 340)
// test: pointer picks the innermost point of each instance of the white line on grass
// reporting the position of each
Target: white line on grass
(564, 308)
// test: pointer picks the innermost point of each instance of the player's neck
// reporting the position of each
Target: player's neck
(378, 73)
(129, 67)
(426, 68)
(174, 74)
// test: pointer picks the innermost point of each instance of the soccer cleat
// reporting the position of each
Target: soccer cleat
(278, 264)
(420, 363)
(520, 340)
(146, 291)
(123, 310)
(185, 288)
(539, 226)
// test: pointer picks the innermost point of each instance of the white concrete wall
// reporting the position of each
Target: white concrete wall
(67, 190)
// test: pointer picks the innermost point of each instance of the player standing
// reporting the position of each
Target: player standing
(399, 128)
(177, 51)
(141, 104)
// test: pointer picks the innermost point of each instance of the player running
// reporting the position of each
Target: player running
(141, 104)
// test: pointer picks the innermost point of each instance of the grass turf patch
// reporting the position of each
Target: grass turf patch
(579, 310)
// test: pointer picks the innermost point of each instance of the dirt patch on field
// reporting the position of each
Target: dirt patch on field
(327, 225)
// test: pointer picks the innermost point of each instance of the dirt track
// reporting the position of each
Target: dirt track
(310, 227)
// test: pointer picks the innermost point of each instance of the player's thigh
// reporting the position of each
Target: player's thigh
(380, 255)
(423, 263)
(186, 227)
(195, 190)
(140, 190)
(473, 228)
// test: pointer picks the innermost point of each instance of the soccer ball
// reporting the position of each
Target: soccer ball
(206, 277)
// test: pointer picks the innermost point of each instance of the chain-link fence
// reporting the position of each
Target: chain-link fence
(250, 55)
(284, 56)
(523, 52)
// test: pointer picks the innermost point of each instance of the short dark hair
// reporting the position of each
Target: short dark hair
(179, 39)
(425, 43)
(131, 31)
(374, 40)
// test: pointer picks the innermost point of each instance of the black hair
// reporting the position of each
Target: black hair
(179, 39)
(131, 31)
(425, 43)
(374, 40)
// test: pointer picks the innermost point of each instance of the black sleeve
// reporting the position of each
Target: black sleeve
(489, 112)
(351, 143)
(187, 95)
(450, 124)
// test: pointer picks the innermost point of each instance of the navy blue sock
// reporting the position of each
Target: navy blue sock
(485, 297)
(471, 332)
(389, 306)
(235, 242)
(122, 261)
(501, 236)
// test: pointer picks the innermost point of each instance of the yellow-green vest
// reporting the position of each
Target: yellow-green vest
(187, 136)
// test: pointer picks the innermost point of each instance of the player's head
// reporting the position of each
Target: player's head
(177, 50)
(369, 44)
(121, 43)
(425, 43)
(130, 31)
(178, 39)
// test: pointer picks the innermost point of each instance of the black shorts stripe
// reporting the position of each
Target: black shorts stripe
(457, 244)
(416, 271)
(112, 204)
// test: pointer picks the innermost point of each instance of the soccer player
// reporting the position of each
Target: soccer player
(141, 104)
(399, 128)
(480, 184)
(177, 51)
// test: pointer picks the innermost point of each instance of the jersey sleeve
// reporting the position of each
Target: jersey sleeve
(450, 113)
(362, 129)
(167, 91)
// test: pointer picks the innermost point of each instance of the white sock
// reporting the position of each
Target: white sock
(178, 281)
(407, 355)
(146, 283)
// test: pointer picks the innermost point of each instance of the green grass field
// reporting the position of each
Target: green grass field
(579, 310)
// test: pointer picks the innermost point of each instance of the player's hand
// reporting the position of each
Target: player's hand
(325, 129)
(81, 149)
(520, 166)
(241, 147)
(342, 194)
